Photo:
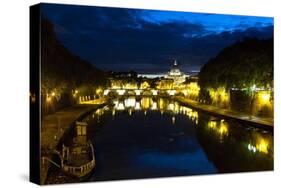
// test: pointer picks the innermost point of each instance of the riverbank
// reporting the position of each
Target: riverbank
(265, 122)
(54, 127)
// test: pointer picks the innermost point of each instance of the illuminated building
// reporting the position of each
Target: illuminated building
(174, 74)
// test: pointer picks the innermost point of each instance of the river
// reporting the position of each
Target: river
(157, 137)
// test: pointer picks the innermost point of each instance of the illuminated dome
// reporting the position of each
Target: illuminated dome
(175, 71)
(176, 74)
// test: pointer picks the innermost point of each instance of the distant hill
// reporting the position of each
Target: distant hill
(240, 65)
(62, 70)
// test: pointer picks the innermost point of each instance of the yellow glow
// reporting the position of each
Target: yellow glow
(184, 92)
(171, 106)
(220, 127)
(48, 99)
(177, 107)
(165, 84)
(145, 103)
(116, 84)
(130, 86)
(193, 89)
(99, 91)
(94, 101)
(223, 130)
(219, 96)
(75, 93)
(99, 112)
(144, 85)
(212, 124)
(193, 115)
(263, 97)
(53, 94)
(262, 145)
(161, 104)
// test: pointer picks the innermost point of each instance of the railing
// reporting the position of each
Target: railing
(81, 170)
(49, 160)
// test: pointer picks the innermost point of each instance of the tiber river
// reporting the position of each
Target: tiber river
(146, 137)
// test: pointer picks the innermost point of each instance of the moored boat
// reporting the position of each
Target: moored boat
(78, 160)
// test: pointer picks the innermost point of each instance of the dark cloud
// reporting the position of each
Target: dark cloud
(119, 39)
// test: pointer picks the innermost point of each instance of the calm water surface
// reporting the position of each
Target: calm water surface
(156, 137)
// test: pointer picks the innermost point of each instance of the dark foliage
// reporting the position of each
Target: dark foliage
(62, 70)
(241, 65)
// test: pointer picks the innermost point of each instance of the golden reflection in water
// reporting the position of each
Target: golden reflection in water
(161, 104)
(259, 143)
(191, 114)
(262, 145)
(147, 103)
(177, 108)
(220, 127)
(223, 128)
(212, 124)
(263, 97)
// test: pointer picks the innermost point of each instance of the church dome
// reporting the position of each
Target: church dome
(175, 71)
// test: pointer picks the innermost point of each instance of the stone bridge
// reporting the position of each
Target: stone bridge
(142, 92)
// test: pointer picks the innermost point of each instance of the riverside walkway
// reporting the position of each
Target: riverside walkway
(54, 126)
(269, 122)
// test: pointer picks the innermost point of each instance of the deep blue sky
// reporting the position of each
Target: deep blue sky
(147, 40)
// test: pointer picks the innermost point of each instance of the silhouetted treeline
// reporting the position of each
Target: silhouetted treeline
(62, 72)
(242, 65)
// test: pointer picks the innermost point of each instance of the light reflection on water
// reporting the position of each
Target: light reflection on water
(156, 137)
(130, 104)
(197, 143)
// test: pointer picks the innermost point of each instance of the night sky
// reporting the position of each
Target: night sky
(147, 40)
